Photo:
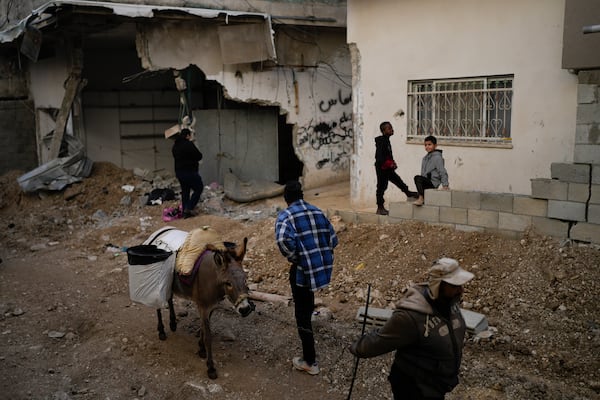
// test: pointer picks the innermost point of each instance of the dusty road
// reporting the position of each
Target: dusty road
(68, 329)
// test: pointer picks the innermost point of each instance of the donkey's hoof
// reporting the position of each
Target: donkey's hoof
(162, 336)
(173, 326)
(212, 373)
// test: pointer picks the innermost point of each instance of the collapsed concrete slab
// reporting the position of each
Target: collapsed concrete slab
(244, 192)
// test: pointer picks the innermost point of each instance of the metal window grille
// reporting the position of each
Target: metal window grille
(474, 110)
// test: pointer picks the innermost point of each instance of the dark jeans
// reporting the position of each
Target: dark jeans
(190, 181)
(405, 388)
(384, 176)
(304, 305)
(422, 183)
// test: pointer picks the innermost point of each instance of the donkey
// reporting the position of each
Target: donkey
(218, 274)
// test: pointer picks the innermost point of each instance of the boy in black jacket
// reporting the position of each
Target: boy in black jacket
(385, 168)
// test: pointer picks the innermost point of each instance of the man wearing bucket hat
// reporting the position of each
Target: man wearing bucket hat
(427, 332)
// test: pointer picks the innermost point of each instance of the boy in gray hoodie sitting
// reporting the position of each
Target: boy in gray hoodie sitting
(433, 172)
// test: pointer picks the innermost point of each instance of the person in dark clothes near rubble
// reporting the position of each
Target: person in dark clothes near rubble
(427, 331)
(306, 238)
(385, 168)
(187, 156)
(433, 171)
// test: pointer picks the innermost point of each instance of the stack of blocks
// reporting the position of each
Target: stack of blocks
(566, 206)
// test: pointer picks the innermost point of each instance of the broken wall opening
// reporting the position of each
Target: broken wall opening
(127, 109)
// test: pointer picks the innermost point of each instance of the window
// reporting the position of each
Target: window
(472, 110)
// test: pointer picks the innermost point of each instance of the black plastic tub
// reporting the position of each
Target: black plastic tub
(145, 254)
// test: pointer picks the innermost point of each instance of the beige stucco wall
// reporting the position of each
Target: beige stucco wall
(323, 133)
(399, 41)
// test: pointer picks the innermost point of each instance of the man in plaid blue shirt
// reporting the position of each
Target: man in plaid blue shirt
(306, 238)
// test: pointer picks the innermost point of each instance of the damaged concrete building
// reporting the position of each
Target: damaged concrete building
(268, 84)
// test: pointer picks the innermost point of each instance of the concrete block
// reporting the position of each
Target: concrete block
(586, 153)
(453, 215)
(374, 316)
(588, 113)
(483, 218)
(586, 233)
(587, 134)
(550, 227)
(589, 77)
(471, 200)
(368, 218)
(469, 228)
(529, 206)
(587, 94)
(442, 198)
(595, 194)
(401, 210)
(514, 235)
(442, 224)
(593, 215)
(513, 222)
(427, 213)
(394, 220)
(577, 173)
(567, 210)
(596, 174)
(550, 189)
(347, 216)
(579, 192)
(475, 322)
(497, 202)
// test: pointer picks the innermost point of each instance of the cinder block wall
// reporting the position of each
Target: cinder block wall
(549, 211)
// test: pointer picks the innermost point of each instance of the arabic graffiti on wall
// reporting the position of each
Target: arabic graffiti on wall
(325, 107)
(332, 138)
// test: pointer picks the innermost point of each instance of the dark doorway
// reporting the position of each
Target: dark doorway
(290, 167)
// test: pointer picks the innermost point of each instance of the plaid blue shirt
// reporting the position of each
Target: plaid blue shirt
(306, 238)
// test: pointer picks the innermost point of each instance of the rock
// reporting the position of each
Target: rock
(61, 396)
(17, 311)
(37, 247)
(227, 335)
(214, 388)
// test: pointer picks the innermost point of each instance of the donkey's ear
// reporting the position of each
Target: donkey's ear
(241, 250)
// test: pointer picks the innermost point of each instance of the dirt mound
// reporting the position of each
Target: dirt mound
(70, 330)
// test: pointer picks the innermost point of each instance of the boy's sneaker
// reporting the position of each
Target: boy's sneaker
(302, 365)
